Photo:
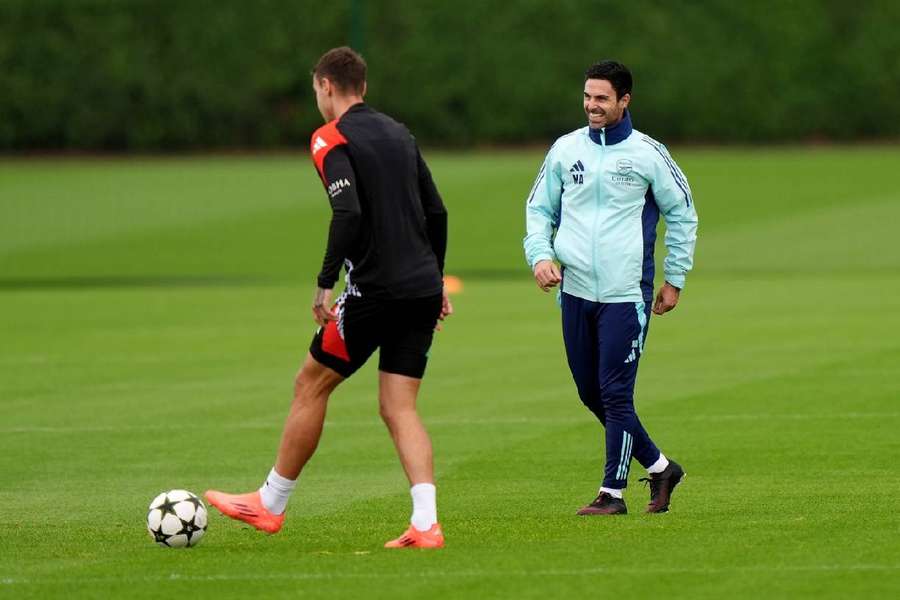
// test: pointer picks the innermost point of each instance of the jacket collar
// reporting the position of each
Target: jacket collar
(615, 134)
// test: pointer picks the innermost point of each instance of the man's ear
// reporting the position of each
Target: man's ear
(365, 88)
(626, 99)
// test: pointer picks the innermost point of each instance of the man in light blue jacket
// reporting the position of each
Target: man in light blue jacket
(594, 209)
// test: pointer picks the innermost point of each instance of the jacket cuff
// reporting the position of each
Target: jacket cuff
(676, 280)
(539, 258)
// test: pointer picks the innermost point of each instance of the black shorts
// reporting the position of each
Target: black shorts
(402, 329)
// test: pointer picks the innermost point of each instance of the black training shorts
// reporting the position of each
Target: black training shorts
(402, 329)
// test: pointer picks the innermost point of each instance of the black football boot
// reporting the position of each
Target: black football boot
(662, 485)
(605, 504)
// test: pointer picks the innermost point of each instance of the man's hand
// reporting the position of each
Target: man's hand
(546, 274)
(666, 299)
(446, 310)
(321, 307)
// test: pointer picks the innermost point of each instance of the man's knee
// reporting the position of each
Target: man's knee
(590, 397)
(393, 409)
(315, 380)
(594, 405)
(397, 397)
(618, 407)
(387, 413)
(598, 411)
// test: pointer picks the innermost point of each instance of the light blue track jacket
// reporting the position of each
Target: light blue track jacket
(594, 208)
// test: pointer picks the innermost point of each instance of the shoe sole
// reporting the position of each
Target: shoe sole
(597, 513)
(414, 546)
(590, 512)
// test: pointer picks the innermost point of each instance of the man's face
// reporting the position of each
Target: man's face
(323, 89)
(601, 104)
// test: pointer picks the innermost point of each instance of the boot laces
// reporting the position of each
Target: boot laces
(655, 485)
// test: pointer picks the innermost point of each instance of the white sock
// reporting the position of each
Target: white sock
(611, 492)
(424, 513)
(276, 492)
(660, 465)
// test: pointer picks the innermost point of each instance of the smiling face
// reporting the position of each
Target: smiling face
(602, 105)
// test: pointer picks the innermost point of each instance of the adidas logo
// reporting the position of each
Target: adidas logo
(577, 172)
(319, 144)
(635, 348)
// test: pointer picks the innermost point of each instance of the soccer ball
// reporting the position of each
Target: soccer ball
(177, 519)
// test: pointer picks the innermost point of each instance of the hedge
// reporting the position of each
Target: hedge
(197, 74)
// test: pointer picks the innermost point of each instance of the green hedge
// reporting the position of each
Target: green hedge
(166, 74)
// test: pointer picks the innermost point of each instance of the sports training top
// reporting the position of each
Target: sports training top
(595, 205)
(388, 224)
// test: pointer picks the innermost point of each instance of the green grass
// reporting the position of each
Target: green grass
(153, 313)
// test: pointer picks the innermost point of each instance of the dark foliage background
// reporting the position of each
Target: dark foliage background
(166, 74)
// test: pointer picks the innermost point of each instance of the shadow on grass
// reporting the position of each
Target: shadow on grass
(128, 281)
(175, 281)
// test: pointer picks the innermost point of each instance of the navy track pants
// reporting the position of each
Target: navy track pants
(604, 343)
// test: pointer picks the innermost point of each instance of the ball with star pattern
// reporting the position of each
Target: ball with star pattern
(177, 519)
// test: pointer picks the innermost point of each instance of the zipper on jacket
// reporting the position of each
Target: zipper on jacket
(597, 192)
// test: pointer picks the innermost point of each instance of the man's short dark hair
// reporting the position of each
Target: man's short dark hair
(614, 72)
(343, 67)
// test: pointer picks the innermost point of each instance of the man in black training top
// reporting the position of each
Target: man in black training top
(389, 230)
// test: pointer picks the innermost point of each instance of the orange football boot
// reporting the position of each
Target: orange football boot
(247, 508)
(413, 538)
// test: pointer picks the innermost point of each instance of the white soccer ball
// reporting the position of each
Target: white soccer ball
(177, 519)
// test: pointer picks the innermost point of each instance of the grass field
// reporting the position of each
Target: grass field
(153, 313)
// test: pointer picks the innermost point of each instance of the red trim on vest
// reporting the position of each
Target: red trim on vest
(333, 343)
(322, 141)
